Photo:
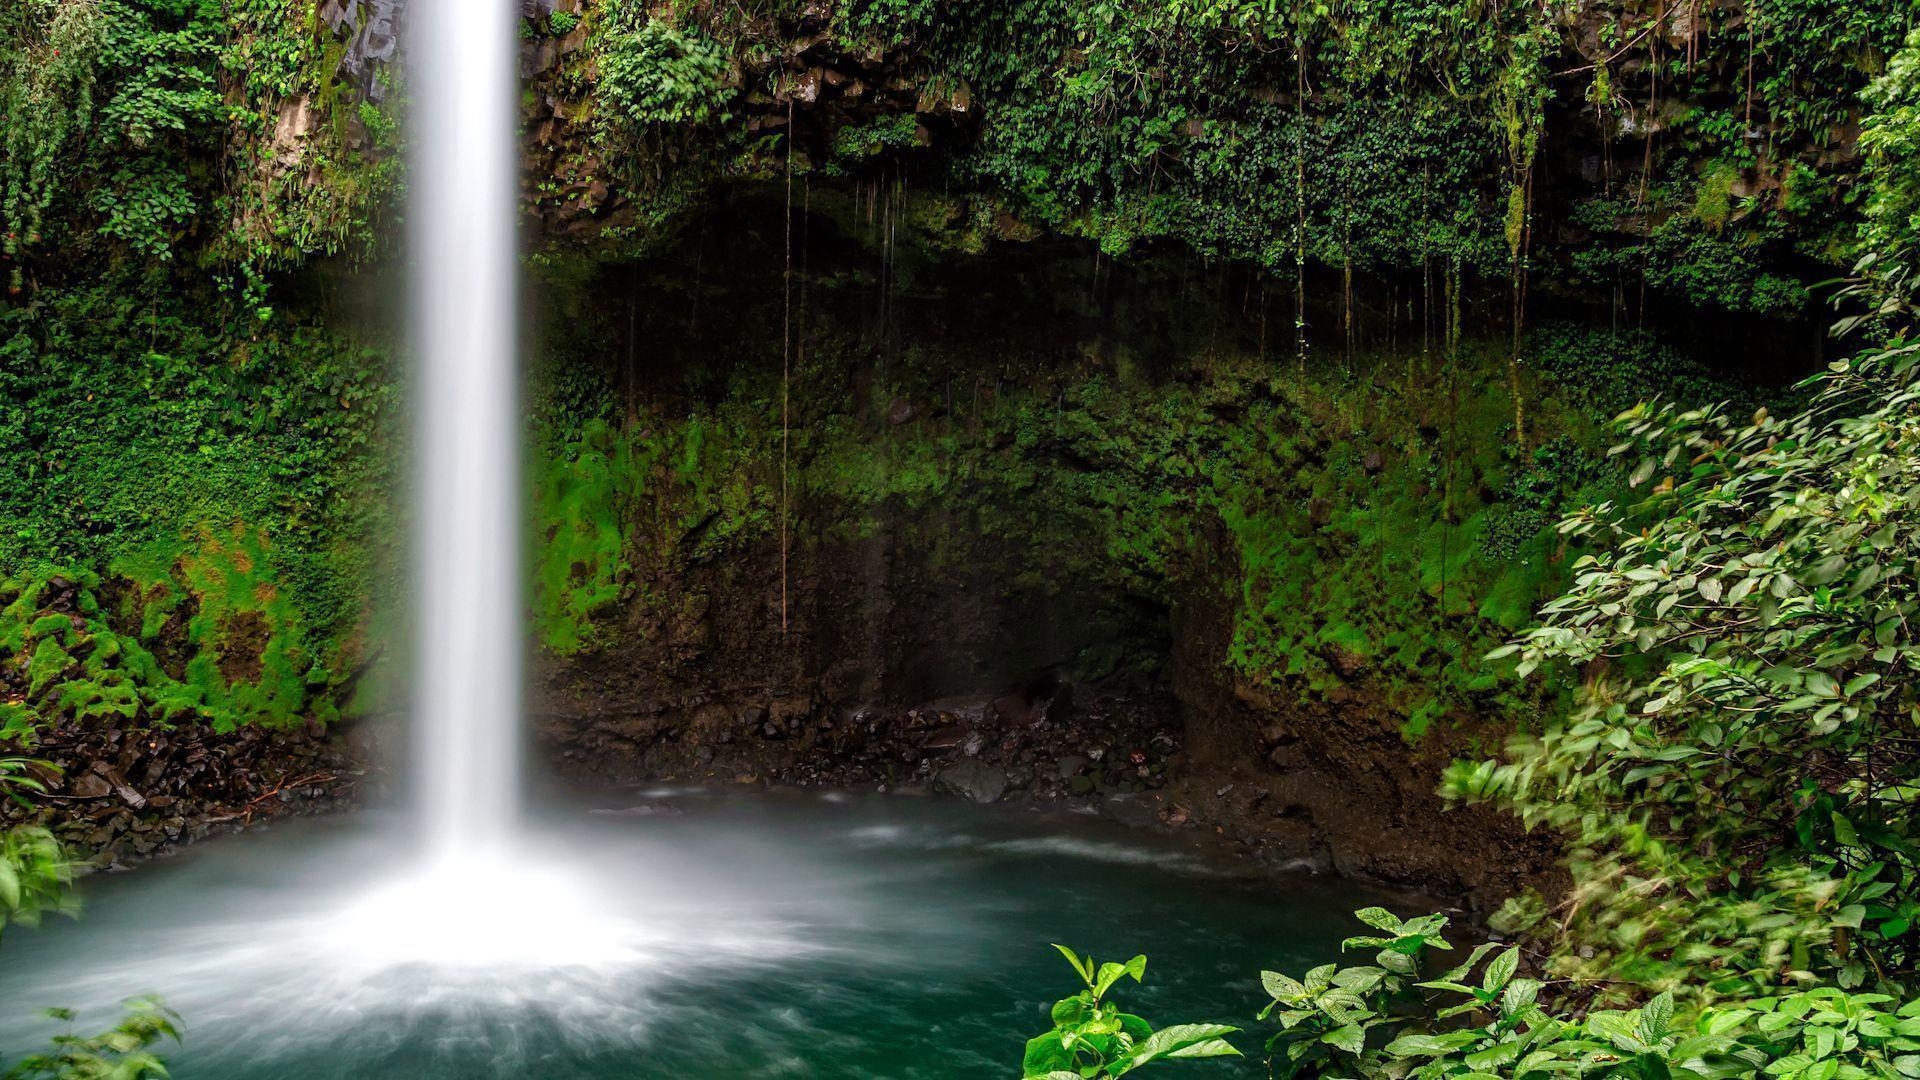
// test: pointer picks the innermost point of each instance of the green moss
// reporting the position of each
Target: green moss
(580, 558)
(243, 655)
(18, 722)
(49, 662)
(1713, 202)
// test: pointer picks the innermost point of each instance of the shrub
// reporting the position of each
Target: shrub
(1377, 1021)
(1738, 787)
(1092, 1038)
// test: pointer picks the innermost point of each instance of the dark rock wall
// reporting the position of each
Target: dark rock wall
(1004, 579)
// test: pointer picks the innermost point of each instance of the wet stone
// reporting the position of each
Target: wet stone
(974, 780)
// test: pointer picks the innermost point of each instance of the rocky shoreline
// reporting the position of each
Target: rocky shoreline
(1124, 755)
(119, 794)
(116, 795)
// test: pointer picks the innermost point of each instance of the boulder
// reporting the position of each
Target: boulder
(972, 779)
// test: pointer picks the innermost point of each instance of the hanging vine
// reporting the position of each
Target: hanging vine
(1521, 108)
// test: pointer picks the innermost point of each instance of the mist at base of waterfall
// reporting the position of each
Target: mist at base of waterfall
(706, 934)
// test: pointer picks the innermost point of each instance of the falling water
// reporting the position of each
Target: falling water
(461, 907)
(462, 70)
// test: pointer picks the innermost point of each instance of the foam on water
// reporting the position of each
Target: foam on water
(341, 934)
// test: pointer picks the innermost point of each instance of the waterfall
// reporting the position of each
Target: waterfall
(463, 907)
(463, 200)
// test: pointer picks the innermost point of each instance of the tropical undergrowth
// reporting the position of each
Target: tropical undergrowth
(1737, 783)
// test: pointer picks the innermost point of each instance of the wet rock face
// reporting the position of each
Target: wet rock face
(371, 29)
(911, 651)
(1332, 783)
(1003, 749)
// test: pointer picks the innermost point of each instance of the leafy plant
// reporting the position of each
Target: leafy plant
(1739, 784)
(1092, 1038)
(1890, 236)
(122, 1053)
(1376, 1022)
(35, 874)
(1326, 1015)
(653, 72)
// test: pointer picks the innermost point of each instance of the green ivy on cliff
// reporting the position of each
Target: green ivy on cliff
(214, 498)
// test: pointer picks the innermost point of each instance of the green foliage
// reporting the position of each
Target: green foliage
(138, 131)
(1890, 144)
(47, 55)
(1253, 131)
(218, 502)
(35, 875)
(1092, 1038)
(36, 878)
(1377, 1021)
(123, 1053)
(654, 72)
(1325, 1017)
(891, 134)
(110, 107)
(1735, 784)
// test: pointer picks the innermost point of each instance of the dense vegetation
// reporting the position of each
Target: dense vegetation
(1257, 131)
(201, 156)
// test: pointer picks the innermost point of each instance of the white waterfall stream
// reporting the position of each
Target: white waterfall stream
(463, 76)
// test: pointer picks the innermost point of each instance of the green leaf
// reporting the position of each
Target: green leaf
(1454, 975)
(1843, 830)
(1500, 971)
(1281, 987)
(1493, 1056)
(1045, 1055)
(1179, 1042)
(1082, 965)
(1379, 918)
(1420, 1045)
(1350, 1037)
(1655, 1017)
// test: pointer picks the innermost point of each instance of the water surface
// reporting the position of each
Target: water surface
(678, 934)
